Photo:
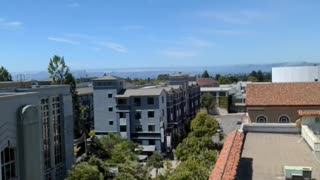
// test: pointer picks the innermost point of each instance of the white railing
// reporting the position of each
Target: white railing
(310, 138)
(271, 128)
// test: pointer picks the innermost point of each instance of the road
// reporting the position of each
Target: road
(229, 122)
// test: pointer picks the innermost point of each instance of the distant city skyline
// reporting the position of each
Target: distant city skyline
(153, 33)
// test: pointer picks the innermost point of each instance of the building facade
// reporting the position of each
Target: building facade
(36, 128)
(147, 115)
(85, 95)
(280, 102)
(296, 74)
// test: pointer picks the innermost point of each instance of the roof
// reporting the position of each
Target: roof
(210, 89)
(85, 90)
(228, 160)
(265, 154)
(142, 92)
(207, 82)
(309, 112)
(283, 94)
(108, 77)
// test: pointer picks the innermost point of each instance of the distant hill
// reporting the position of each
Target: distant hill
(153, 72)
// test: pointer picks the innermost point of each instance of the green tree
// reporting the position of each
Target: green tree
(224, 80)
(133, 169)
(252, 79)
(190, 170)
(205, 74)
(155, 161)
(123, 152)
(204, 125)
(58, 69)
(85, 171)
(207, 101)
(4, 74)
(260, 76)
(78, 121)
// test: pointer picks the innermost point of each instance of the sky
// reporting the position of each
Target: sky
(95, 34)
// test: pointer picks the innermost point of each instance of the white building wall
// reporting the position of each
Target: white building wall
(296, 74)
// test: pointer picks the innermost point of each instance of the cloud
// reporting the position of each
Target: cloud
(237, 17)
(10, 24)
(224, 32)
(62, 40)
(115, 47)
(178, 54)
(73, 5)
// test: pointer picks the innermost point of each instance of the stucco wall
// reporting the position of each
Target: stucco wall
(274, 113)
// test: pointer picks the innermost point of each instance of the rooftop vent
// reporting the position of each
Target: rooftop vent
(297, 172)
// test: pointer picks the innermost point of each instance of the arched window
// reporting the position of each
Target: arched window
(8, 167)
(284, 119)
(261, 119)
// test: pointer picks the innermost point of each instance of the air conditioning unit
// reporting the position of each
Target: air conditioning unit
(297, 172)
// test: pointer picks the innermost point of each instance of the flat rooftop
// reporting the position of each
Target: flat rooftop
(265, 154)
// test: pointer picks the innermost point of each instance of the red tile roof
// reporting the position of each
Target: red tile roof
(207, 82)
(283, 94)
(229, 158)
(309, 112)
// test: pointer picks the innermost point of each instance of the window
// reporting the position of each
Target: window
(45, 132)
(137, 101)
(111, 123)
(222, 93)
(150, 114)
(110, 109)
(162, 98)
(123, 128)
(151, 128)
(162, 112)
(122, 115)
(109, 95)
(152, 142)
(122, 101)
(261, 119)
(138, 128)
(8, 166)
(150, 100)
(284, 119)
(137, 115)
(57, 138)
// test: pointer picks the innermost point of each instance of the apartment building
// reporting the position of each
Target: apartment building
(85, 96)
(148, 115)
(36, 131)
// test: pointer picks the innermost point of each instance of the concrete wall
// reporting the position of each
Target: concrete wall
(310, 138)
(102, 116)
(271, 128)
(296, 74)
(274, 113)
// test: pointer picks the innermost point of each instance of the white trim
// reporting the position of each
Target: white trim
(262, 116)
(285, 116)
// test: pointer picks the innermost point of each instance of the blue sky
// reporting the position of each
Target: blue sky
(94, 34)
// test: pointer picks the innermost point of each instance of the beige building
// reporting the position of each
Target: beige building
(280, 102)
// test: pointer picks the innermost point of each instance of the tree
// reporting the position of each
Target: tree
(132, 170)
(217, 77)
(85, 171)
(252, 79)
(224, 80)
(58, 69)
(207, 101)
(260, 76)
(204, 125)
(189, 170)
(4, 74)
(155, 161)
(205, 74)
